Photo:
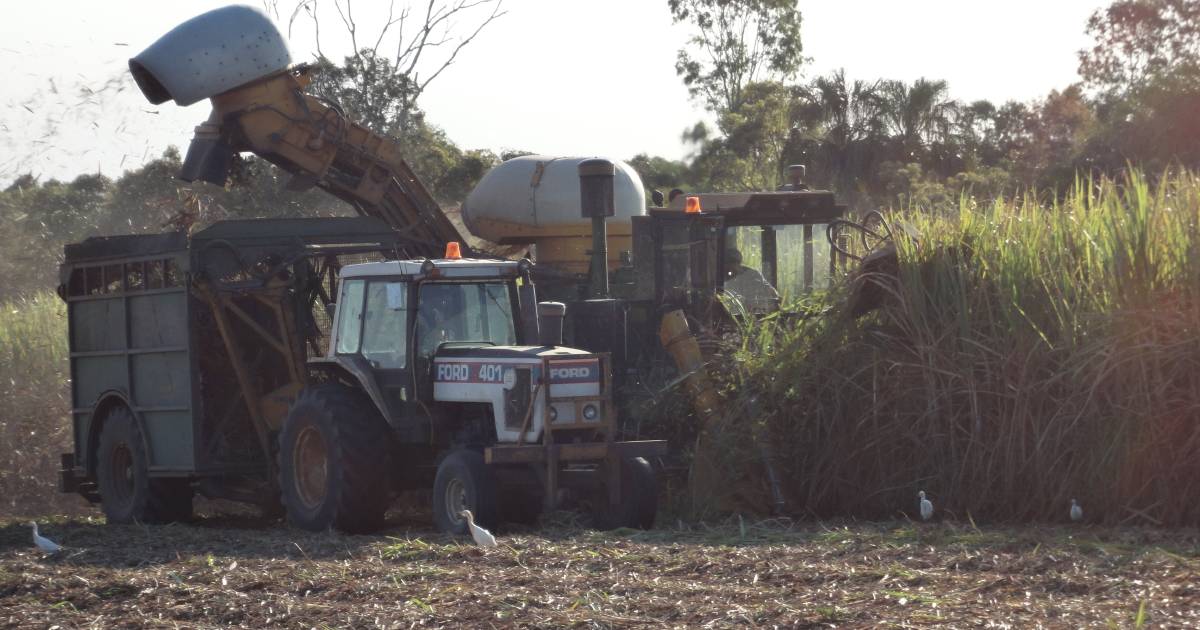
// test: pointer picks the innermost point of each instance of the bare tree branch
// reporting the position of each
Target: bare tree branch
(427, 40)
(348, 21)
(467, 40)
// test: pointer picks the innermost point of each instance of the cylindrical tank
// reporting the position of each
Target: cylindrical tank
(535, 199)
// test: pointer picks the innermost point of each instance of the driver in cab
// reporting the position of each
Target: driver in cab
(748, 285)
(439, 317)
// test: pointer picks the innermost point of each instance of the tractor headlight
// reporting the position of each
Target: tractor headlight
(590, 412)
(553, 413)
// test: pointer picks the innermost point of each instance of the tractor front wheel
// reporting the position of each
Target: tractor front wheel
(463, 482)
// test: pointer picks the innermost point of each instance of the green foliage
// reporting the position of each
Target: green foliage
(37, 218)
(1140, 41)
(918, 115)
(842, 129)
(658, 173)
(735, 45)
(370, 90)
(889, 143)
(374, 92)
(1025, 354)
(750, 155)
(34, 385)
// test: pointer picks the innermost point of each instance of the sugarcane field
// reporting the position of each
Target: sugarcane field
(534, 314)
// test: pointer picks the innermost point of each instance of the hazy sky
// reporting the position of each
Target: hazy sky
(563, 77)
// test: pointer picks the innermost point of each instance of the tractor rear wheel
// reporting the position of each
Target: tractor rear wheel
(639, 498)
(463, 482)
(127, 493)
(334, 461)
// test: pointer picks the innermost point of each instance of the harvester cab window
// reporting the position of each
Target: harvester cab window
(468, 313)
(384, 342)
(686, 258)
(351, 316)
(747, 284)
(793, 259)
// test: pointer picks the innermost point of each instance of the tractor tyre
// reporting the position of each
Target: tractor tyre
(639, 498)
(463, 482)
(521, 505)
(127, 493)
(335, 461)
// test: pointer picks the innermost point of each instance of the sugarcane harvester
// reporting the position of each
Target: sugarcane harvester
(268, 368)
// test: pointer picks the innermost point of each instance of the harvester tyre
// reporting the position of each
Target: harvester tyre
(639, 498)
(334, 461)
(127, 492)
(463, 481)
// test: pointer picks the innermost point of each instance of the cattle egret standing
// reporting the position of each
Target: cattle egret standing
(926, 507)
(45, 544)
(1076, 511)
(482, 537)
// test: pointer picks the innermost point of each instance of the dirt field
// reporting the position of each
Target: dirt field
(233, 572)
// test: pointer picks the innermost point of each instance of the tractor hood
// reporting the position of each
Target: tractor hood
(567, 367)
(508, 352)
(522, 383)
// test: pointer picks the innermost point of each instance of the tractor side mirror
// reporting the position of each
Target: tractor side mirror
(551, 315)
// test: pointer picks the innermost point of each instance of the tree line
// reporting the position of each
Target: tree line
(889, 143)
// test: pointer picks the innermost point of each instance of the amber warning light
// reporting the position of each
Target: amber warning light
(692, 205)
(453, 250)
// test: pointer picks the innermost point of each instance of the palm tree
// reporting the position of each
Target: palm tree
(843, 129)
(918, 115)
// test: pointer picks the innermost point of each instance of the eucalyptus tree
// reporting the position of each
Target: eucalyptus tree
(736, 43)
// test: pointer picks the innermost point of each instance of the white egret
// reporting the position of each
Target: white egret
(1076, 511)
(45, 544)
(926, 506)
(482, 537)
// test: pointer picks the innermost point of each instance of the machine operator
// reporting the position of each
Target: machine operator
(748, 285)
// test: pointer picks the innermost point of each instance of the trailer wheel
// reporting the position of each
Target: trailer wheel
(463, 482)
(127, 493)
(639, 498)
(334, 461)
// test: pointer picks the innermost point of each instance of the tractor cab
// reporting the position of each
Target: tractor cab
(454, 362)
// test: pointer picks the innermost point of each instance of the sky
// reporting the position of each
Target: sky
(559, 77)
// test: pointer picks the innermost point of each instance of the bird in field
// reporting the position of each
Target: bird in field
(926, 506)
(45, 544)
(482, 537)
(1076, 511)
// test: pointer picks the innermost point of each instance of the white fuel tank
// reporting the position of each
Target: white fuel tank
(534, 199)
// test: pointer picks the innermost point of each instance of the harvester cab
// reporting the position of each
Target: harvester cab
(756, 247)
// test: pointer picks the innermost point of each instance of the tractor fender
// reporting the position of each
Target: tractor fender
(347, 368)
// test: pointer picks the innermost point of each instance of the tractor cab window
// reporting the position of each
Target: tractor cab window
(384, 343)
(464, 312)
(350, 316)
